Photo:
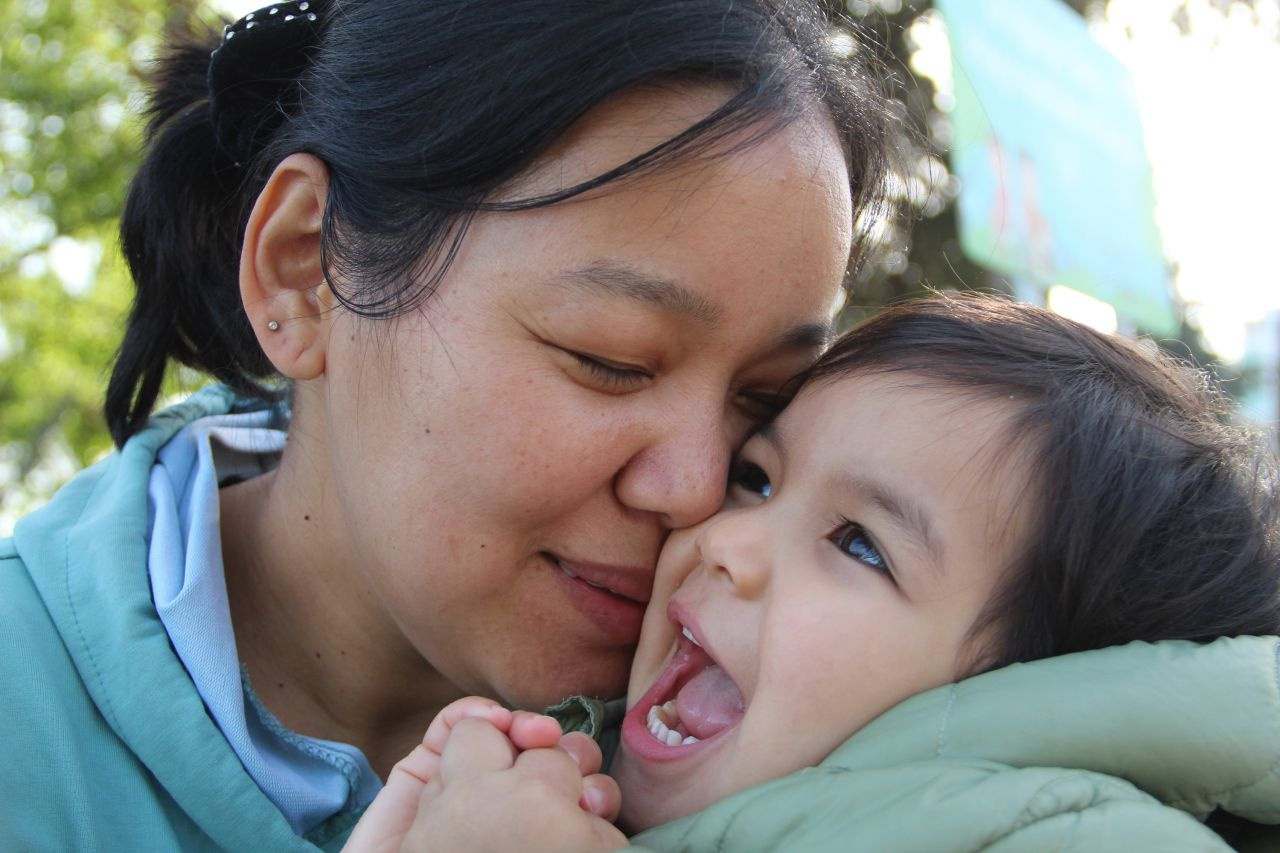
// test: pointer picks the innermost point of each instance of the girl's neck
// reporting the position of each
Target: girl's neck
(320, 652)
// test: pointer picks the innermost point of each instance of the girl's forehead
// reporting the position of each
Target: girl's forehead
(954, 448)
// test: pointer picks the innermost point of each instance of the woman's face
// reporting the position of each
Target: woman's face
(508, 459)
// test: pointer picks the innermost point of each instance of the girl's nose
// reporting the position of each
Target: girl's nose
(735, 544)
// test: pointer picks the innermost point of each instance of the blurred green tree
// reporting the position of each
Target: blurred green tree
(69, 84)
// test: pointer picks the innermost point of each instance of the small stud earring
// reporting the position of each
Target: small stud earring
(273, 325)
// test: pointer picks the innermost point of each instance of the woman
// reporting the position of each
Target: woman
(529, 271)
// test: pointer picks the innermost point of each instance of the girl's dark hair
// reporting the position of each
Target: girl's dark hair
(1154, 517)
(423, 112)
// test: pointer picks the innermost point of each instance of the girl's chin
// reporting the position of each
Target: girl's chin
(648, 802)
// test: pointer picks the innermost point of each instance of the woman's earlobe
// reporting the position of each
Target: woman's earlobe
(281, 276)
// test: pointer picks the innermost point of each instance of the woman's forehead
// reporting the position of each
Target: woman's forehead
(638, 120)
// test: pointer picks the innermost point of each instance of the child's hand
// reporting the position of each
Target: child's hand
(416, 780)
(491, 795)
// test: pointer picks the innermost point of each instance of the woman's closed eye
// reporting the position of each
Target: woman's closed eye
(762, 405)
(611, 377)
(853, 540)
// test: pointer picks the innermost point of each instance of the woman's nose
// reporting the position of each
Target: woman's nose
(735, 544)
(680, 475)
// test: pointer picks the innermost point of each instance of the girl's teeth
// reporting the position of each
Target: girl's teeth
(689, 636)
(657, 728)
(659, 721)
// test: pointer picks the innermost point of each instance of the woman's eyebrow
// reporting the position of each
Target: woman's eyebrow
(618, 279)
(622, 280)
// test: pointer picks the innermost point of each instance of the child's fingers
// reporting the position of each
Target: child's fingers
(467, 707)
(609, 837)
(474, 747)
(392, 812)
(554, 768)
(533, 731)
(583, 750)
(601, 796)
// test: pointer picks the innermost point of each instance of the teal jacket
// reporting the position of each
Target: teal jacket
(108, 746)
(1122, 749)
(106, 741)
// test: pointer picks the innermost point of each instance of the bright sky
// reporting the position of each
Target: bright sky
(1212, 123)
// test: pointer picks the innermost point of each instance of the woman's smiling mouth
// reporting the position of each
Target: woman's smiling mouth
(612, 598)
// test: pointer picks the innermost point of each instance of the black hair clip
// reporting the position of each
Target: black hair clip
(254, 72)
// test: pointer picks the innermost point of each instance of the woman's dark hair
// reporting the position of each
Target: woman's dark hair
(1154, 516)
(423, 110)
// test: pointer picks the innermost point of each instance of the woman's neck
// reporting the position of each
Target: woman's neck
(318, 648)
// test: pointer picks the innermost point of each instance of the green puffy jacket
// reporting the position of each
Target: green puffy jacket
(1122, 749)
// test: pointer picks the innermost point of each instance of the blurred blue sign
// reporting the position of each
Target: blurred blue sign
(1055, 181)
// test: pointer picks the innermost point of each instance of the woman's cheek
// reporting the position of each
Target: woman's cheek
(677, 560)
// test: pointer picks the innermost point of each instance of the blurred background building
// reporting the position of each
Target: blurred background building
(1113, 159)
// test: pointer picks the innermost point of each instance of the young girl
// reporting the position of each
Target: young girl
(961, 485)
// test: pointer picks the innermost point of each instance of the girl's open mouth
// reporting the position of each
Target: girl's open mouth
(691, 703)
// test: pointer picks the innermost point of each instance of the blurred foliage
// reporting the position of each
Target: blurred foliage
(69, 84)
(69, 135)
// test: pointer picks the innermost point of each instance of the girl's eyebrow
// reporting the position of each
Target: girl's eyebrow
(907, 513)
(765, 430)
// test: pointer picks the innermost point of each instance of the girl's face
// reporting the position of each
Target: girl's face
(508, 459)
(863, 532)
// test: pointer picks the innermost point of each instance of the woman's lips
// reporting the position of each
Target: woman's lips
(613, 598)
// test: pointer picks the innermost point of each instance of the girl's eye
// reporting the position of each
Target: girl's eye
(751, 478)
(614, 378)
(852, 539)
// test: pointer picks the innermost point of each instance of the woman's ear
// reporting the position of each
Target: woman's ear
(281, 281)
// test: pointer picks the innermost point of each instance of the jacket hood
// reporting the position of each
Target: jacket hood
(1195, 726)
(86, 552)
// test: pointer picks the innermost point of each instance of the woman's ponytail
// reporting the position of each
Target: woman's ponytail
(183, 219)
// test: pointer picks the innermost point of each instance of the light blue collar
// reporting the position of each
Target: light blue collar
(309, 780)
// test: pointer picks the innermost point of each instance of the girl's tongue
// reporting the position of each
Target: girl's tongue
(709, 703)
